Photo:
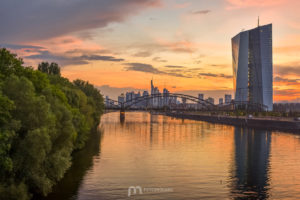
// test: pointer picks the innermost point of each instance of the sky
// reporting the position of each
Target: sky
(120, 45)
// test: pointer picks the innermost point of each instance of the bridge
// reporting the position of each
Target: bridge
(168, 102)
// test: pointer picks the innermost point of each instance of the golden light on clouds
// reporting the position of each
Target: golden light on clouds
(100, 42)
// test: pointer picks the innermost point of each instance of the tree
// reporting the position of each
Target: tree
(52, 69)
(43, 119)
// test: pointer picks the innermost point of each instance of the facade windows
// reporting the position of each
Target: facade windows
(253, 66)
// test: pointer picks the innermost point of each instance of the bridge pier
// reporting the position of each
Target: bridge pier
(122, 113)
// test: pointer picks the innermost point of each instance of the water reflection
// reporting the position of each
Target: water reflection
(198, 160)
(250, 174)
(83, 160)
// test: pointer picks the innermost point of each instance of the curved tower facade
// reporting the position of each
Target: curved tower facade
(252, 64)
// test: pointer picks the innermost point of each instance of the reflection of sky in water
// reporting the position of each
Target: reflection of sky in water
(196, 159)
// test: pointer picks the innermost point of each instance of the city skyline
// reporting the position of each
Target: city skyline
(164, 98)
(184, 45)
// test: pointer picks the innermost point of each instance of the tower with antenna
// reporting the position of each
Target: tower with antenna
(253, 66)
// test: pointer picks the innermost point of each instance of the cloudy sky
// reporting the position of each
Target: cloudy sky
(121, 45)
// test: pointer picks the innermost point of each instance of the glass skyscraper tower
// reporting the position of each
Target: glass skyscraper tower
(252, 64)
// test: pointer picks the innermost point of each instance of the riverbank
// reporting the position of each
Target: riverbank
(282, 124)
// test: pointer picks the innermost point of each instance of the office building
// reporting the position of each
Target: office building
(220, 101)
(253, 66)
(228, 98)
(201, 96)
(121, 98)
(210, 100)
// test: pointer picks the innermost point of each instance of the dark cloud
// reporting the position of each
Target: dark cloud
(219, 65)
(143, 54)
(179, 46)
(287, 92)
(87, 51)
(200, 12)
(61, 60)
(35, 19)
(281, 79)
(215, 75)
(18, 47)
(141, 67)
(103, 58)
(174, 66)
(175, 70)
(159, 59)
(195, 69)
(71, 60)
(287, 69)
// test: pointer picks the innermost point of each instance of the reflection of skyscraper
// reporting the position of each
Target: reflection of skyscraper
(253, 66)
(251, 156)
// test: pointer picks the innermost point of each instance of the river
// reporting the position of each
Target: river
(167, 158)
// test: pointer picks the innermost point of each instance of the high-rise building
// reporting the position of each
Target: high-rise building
(155, 101)
(220, 101)
(201, 96)
(210, 100)
(146, 101)
(253, 66)
(228, 98)
(166, 97)
(121, 98)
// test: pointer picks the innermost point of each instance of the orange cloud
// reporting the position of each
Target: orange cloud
(182, 46)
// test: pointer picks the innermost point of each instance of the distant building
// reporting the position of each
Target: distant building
(183, 100)
(228, 98)
(145, 93)
(155, 101)
(286, 107)
(166, 97)
(107, 101)
(220, 101)
(129, 96)
(210, 100)
(121, 98)
(253, 66)
(201, 96)
(145, 103)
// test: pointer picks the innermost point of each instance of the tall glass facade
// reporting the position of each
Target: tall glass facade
(253, 66)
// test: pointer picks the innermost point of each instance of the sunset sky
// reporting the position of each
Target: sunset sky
(121, 45)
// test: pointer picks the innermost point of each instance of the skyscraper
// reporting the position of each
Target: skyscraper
(228, 98)
(252, 64)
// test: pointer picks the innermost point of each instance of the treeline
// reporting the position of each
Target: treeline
(43, 119)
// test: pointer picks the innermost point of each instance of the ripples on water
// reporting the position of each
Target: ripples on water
(197, 160)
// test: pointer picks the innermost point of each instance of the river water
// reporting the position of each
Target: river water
(169, 158)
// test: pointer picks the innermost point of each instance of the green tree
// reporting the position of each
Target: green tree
(52, 69)
(43, 118)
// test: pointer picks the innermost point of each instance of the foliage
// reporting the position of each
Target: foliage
(43, 119)
(52, 68)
